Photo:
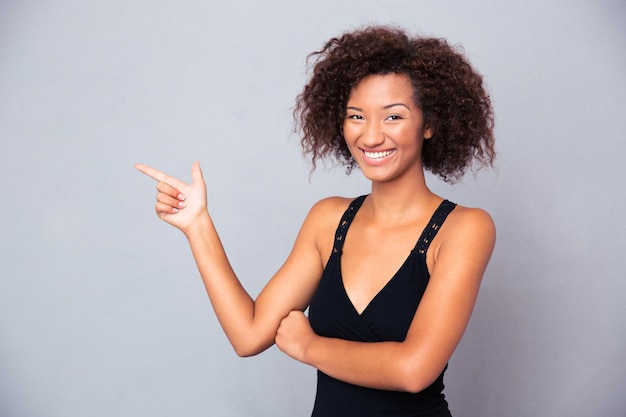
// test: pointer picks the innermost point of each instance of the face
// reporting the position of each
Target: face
(384, 128)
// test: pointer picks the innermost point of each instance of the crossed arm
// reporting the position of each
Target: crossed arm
(252, 326)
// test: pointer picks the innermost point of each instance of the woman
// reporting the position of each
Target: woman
(386, 313)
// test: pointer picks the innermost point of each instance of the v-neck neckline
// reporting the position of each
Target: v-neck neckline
(382, 289)
(346, 225)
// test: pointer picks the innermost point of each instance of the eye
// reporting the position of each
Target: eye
(354, 117)
(394, 117)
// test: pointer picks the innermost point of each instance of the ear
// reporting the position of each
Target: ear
(428, 132)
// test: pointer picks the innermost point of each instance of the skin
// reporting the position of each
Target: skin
(384, 130)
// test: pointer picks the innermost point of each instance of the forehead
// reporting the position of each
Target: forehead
(382, 89)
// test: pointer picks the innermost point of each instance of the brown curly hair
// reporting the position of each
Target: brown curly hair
(448, 90)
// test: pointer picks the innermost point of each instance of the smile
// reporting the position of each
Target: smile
(378, 155)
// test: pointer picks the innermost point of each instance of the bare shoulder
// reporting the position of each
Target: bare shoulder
(472, 218)
(472, 228)
(323, 217)
(329, 209)
(322, 221)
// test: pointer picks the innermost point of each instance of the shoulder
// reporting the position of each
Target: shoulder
(323, 219)
(470, 217)
(470, 228)
(463, 246)
(329, 209)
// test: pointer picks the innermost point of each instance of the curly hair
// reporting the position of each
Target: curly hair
(446, 87)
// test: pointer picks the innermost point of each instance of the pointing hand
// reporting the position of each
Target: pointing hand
(178, 203)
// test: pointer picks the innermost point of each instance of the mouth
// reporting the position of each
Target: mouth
(378, 155)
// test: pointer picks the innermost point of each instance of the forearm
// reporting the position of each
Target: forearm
(249, 324)
(382, 365)
(233, 306)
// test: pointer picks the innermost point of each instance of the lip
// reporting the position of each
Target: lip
(377, 157)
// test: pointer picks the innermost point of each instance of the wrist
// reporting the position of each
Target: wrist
(310, 347)
(199, 227)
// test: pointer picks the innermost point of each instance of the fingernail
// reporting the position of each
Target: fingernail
(181, 197)
(181, 204)
(174, 210)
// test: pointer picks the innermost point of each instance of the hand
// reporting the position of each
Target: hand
(178, 203)
(294, 335)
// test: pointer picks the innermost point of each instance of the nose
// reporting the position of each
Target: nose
(372, 135)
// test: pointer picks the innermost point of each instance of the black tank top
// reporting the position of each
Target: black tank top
(386, 318)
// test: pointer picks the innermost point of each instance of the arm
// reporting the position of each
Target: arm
(460, 254)
(249, 325)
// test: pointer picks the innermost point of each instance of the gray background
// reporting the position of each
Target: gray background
(102, 312)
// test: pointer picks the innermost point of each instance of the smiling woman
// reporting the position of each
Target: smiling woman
(391, 277)
(444, 86)
(384, 128)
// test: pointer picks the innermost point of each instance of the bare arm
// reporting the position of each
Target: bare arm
(436, 329)
(249, 325)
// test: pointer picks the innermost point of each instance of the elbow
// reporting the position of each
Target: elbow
(246, 350)
(414, 378)
(414, 385)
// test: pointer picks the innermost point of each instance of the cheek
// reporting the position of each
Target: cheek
(410, 134)
(348, 134)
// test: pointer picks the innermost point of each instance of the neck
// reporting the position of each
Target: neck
(398, 202)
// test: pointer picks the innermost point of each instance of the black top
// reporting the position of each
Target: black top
(386, 318)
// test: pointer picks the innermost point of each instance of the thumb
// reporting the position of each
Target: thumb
(196, 173)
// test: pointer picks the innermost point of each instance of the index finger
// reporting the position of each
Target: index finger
(159, 175)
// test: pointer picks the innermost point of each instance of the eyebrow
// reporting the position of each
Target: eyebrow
(388, 106)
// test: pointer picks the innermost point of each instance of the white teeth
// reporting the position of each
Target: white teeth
(378, 155)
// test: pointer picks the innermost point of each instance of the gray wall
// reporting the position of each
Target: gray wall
(102, 312)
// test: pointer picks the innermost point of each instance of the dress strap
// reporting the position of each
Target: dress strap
(430, 231)
(346, 219)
